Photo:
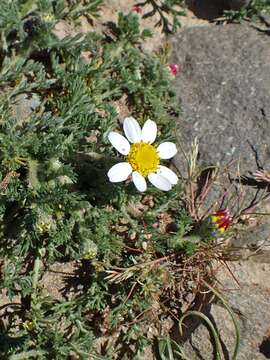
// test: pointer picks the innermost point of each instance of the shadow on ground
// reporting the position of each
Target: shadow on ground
(206, 9)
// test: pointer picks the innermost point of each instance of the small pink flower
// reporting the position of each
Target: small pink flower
(137, 9)
(174, 69)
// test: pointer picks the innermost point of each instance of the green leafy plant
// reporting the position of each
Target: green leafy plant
(122, 254)
(57, 205)
(255, 11)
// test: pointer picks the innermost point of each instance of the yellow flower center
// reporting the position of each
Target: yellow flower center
(143, 158)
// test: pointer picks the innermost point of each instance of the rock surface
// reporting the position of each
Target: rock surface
(224, 92)
(24, 106)
(251, 304)
(254, 243)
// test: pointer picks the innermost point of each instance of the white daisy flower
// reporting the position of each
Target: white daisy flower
(143, 158)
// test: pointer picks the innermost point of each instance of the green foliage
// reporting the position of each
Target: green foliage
(58, 101)
(254, 12)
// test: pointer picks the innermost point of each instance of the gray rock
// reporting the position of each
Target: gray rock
(254, 243)
(250, 302)
(224, 89)
(24, 105)
(238, 4)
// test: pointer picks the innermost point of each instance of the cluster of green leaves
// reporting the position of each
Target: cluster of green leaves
(253, 12)
(57, 105)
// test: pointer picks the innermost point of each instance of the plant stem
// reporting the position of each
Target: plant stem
(36, 268)
(36, 272)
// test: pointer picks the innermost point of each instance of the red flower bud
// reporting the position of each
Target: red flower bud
(137, 9)
(174, 69)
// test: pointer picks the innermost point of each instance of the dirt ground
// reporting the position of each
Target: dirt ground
(110, 11)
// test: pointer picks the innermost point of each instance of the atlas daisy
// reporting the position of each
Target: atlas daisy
(142, 157)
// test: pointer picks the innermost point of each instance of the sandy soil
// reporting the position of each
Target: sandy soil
(110, 11)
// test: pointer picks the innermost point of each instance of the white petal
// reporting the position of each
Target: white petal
(132, 130)
(149, 131)
(119, 172)
(119, 142)
(160, 182)
(166, 150)
(168, 174)
(139, 181)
